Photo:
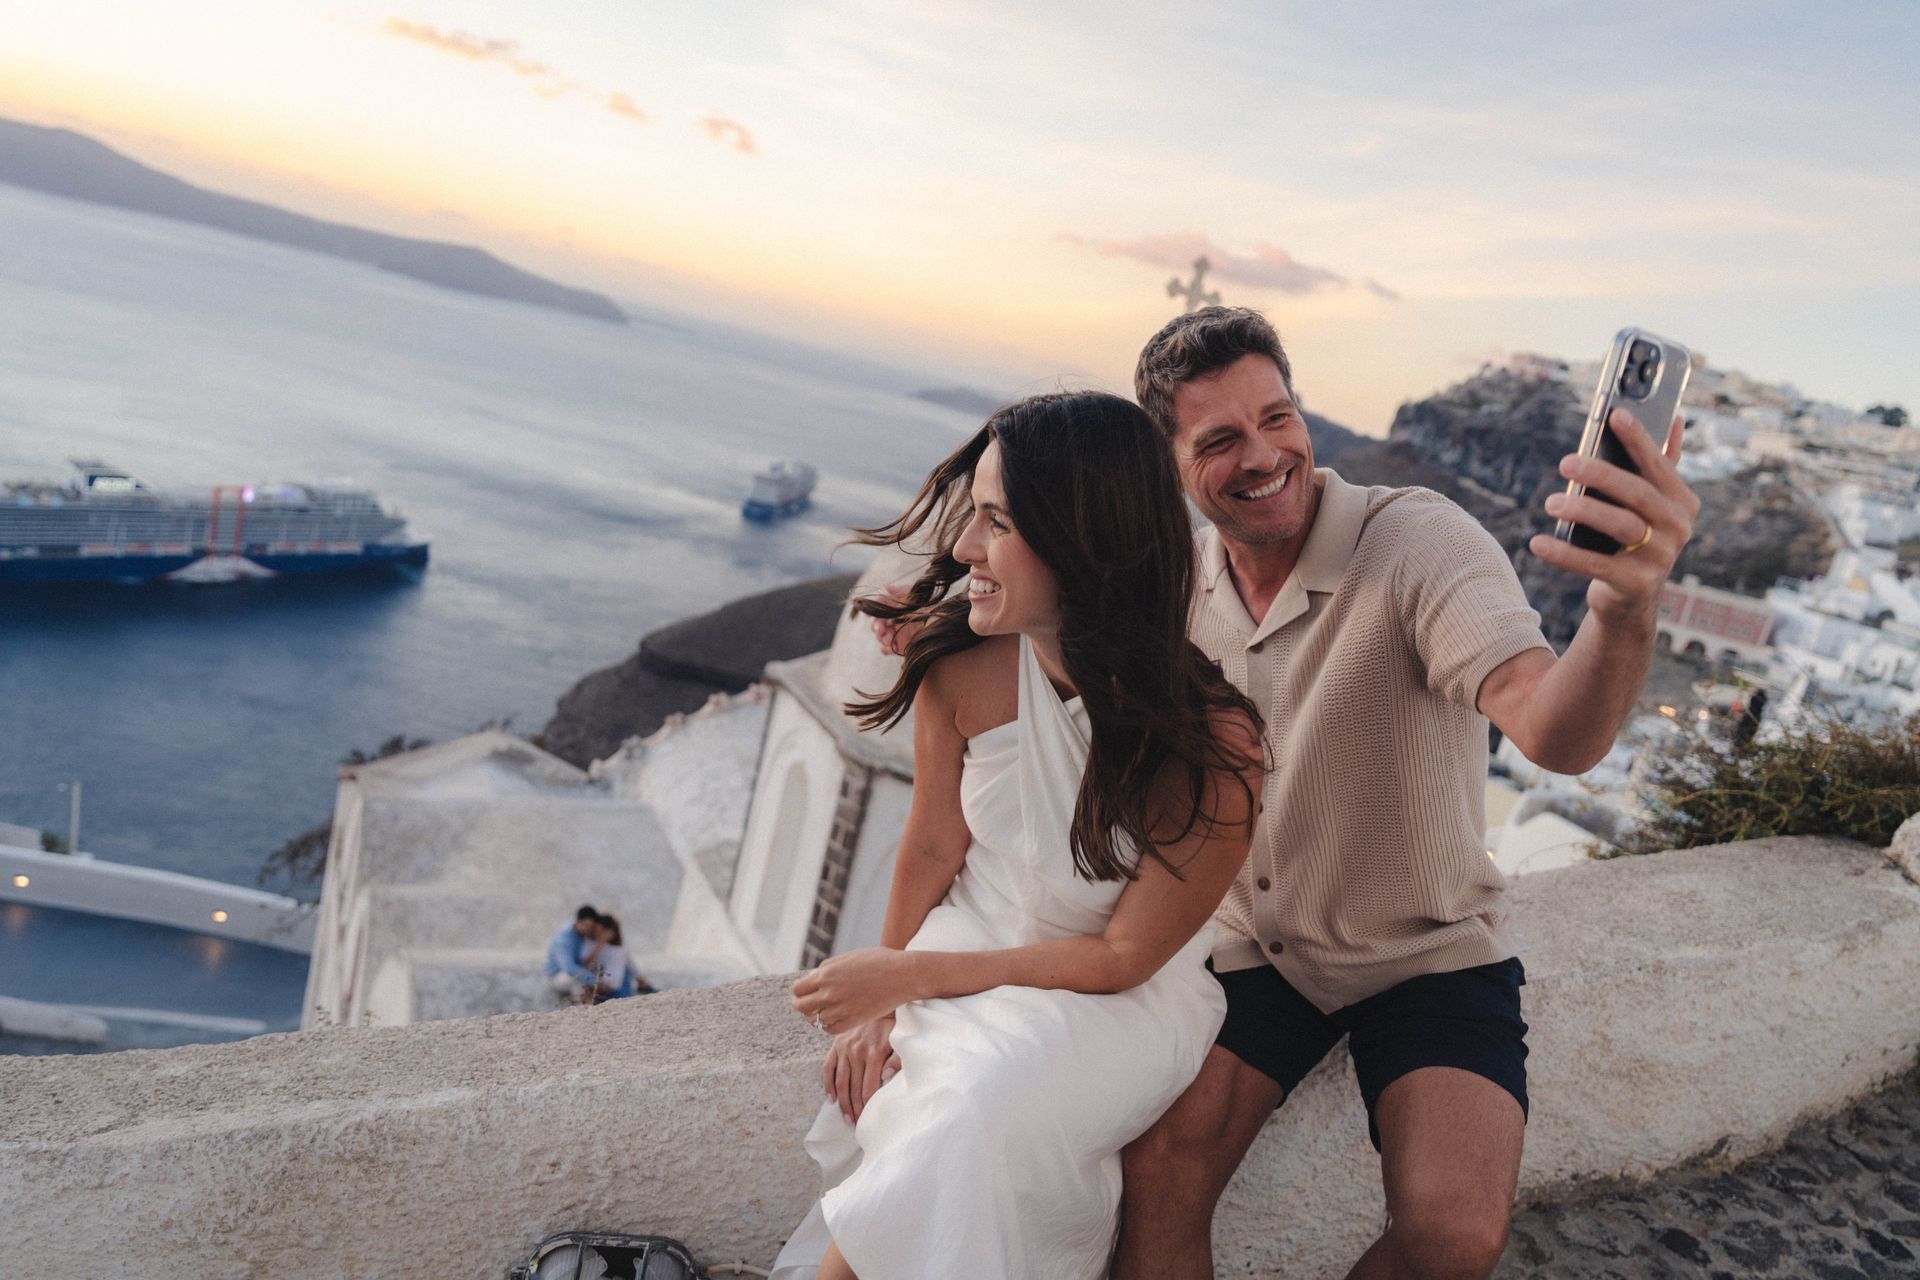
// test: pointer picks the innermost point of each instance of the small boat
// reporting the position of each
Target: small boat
(783, 489)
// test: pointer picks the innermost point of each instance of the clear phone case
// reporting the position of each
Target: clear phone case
(1646, 375)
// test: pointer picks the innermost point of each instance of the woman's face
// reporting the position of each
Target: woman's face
(1009, 590)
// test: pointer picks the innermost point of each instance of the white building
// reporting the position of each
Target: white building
(451, 866)
(1718, 430)
(755, 836)
(1852, 637)
(1880, 515)
(1530, 364)
(829, 803)
(1763, 445)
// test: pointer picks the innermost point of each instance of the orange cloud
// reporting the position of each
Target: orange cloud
(621, 105)
(462, 44)
(730, 133)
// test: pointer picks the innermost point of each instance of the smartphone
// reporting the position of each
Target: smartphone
(1646, 375)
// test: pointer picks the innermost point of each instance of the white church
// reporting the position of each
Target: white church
(754, 836)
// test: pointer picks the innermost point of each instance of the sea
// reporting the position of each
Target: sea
(580, 482)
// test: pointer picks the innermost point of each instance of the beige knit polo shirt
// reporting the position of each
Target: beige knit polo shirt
(1370, 864)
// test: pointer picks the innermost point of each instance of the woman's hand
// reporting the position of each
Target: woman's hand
(893, 637)
(860, 1061)
(857, 987)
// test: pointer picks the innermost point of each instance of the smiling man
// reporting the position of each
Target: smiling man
(1378, 630)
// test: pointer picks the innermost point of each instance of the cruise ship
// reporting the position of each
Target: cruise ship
(103, 525)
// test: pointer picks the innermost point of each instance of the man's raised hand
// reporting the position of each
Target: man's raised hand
(1656, 512)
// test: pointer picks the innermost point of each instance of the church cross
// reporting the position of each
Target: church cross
(1192, 292)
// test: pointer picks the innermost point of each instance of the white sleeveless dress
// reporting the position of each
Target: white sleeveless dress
(995, 1151)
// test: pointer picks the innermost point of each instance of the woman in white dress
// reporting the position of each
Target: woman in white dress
(1084, 788)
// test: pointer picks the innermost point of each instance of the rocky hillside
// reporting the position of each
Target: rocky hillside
(1493, 444)
(1331, 441)
(678, 667)
(1762, 528)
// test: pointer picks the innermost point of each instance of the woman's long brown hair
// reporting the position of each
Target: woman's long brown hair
(1090, 485)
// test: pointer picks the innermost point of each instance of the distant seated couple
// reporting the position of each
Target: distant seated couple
(1187, 811)
(587, 960)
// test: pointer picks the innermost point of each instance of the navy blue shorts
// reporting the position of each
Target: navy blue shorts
(1469, 1019)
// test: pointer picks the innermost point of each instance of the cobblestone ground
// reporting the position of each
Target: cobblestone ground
(1841, 1201)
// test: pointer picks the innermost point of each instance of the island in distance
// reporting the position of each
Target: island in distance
(64, 163)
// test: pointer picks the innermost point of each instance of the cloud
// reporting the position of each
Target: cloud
(1267, 267)
(548, 83)
(730, 133)
(621, 105)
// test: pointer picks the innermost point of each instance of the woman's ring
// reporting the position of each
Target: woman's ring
(817, 1024)
(1645, 538)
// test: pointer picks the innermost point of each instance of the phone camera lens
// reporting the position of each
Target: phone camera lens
(1648, 368)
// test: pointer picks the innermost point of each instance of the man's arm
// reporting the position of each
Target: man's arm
(560, 957)
(1563, 713)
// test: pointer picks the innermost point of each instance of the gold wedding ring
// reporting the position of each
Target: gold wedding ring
(1645, 538)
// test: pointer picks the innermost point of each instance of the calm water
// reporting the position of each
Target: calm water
(580, 482)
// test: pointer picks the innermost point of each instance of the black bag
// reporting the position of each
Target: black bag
(607, 1255)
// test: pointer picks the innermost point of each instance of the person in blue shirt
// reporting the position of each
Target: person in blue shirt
(566, 951)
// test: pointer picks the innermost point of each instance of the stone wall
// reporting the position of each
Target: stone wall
(1684, 1006)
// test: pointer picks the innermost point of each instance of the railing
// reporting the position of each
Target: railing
(223, 528)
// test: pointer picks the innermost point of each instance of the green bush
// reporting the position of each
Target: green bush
(1826, 776)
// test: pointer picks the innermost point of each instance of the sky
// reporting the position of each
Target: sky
(1001, 192)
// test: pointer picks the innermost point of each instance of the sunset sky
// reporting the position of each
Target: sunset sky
(999, 192)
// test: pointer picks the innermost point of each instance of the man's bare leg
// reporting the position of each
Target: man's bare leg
(1176, 1170)
(1450, 1160)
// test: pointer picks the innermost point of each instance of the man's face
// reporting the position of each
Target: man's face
(585, 927)
(1244, 456)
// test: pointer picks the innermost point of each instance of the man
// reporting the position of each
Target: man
(1378, 631)
(565, 972)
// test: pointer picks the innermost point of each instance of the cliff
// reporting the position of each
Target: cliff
(1493, 444)
(678, 667)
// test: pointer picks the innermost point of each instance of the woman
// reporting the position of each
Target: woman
(607, 960)
(1084, 788)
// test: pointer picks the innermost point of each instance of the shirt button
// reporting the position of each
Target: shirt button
(1274, 946)
(1264, 883)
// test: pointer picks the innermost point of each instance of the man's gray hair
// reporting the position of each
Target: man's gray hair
(1195, 345)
